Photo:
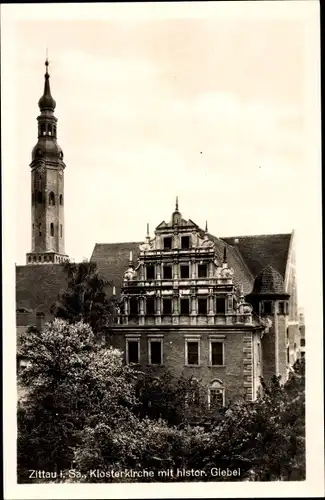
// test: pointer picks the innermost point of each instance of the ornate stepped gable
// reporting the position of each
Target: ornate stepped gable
(181, 278)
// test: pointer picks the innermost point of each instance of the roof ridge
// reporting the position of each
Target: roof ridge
(254, 235)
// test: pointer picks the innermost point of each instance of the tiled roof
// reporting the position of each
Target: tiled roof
(242, 275)
(263, 250)
(112, 260)
(269, 281)
(38, 286)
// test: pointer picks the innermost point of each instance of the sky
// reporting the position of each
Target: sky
(209, 103)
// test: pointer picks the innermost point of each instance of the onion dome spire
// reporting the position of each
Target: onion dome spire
(46, 102)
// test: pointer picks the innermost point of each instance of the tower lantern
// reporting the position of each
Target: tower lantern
(47, 186)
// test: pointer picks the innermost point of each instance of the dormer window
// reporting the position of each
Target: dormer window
(167, 272)
(167, 243)
(202, 270)
(150, 272)
(185, 271)
(267, 307)
(185, 242)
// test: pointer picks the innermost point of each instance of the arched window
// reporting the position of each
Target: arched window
(52, 229)
(40, 258)
(51, 198)
(43, 129)
(49, 130)
(40, 229)
(61, 199)
(34, 258)
(29, 259)
(60, 230)
(50, 258)
(216, 395)
(54, 130)
(39, 197)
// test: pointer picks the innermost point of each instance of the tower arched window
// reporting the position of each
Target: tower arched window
(52, 229)
(54, 130)
(40, 229)
(51, 198)
(39, 197)
(43, 129)
(61, 199)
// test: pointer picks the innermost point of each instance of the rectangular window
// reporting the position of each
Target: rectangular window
(288, 355)
(155, 352)
(185, 306)
(167, 306)
(202, 270)
(167, 272)
(60, 230)
(150, 272)
(132, 351)
(202, 306)
(221, 305)
(150, 306)
(185, 242)
(216, 398)
(259, 354)
(167, 243)
(185, 271)
(302, 342)
(217, 354)
(192, 352)
(133, 306)
(282, 309)
(267, 307)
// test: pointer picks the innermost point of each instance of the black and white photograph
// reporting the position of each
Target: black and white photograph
(162, 282)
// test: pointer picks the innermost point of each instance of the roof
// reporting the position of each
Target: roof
(112, 260)
(269, 281)
(38, 286)
(260, 251)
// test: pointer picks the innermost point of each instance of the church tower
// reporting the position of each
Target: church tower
(47, 186)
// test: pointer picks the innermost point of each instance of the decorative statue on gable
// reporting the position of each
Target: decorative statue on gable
(131, 273)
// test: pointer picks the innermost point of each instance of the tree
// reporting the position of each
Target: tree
(178, 400)
(72, 383)
(85, 298)
(266, 438)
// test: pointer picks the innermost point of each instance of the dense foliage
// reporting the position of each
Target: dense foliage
(85, 298)
(83, 411)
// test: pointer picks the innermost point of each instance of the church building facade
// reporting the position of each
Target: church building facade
(222, 310)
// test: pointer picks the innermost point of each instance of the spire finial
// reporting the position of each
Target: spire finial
(47, 102)
(176, 206)
(206, 226)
